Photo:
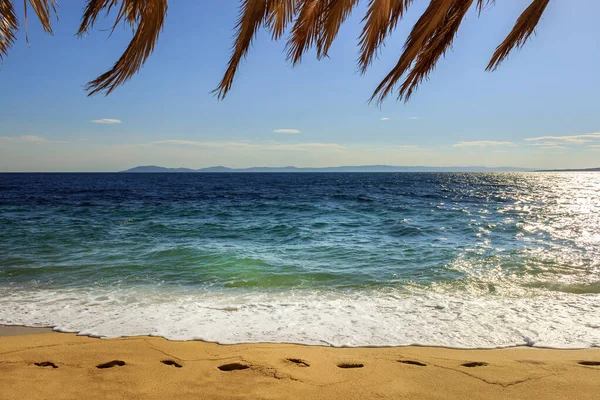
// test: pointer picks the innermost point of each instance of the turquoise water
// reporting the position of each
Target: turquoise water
(465, 260)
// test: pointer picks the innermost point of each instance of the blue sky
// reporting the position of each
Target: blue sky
(539, 109)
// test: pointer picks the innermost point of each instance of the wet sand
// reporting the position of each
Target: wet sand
(14, 330)
(66, 366)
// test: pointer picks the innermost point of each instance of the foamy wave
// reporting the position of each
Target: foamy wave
(375, 318)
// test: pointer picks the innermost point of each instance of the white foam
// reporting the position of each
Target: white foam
(368, 318)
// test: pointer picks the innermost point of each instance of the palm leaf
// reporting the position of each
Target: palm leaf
(146, 18)
(91, 13)
(279, 15)
(9, 23)
(481, 4)
(315, 23)
(8, 26)
(336, 12)
(43, 9)
(435, 48)
(431, 21)
(252, 16)
(380, 20)
(522, 30)
(307, 30)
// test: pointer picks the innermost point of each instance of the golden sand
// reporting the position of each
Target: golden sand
(66, 366)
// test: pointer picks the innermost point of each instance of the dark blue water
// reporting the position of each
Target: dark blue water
(236, 238)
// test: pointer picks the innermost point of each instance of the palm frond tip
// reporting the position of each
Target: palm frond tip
(315, 23)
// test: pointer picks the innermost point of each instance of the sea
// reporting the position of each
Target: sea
(465, 260)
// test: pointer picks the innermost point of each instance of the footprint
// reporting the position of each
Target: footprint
(110, 364)
(474, 364)
(532, 362)
(46, 364)
(299, 362)
(411, 362)
(590, 363)
(350, 365)
(233, 367)
(171, 362)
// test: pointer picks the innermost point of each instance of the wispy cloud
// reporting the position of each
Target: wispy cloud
(287, 131)
(384, 119)
(594, 147)
(413, 118)
(34, 139)
(571, 139)
(483, 143)
(251, 146)
(548, 145)
(393, 148)
(26, 139)
(106, 121)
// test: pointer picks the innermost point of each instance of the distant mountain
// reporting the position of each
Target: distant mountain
(154, 168)
(571, 170)
(362, 168)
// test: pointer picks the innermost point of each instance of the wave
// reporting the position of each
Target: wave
(335, 318)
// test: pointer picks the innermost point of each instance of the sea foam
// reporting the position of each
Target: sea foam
(360, 318)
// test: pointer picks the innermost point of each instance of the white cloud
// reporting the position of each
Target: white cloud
(384, 119)
(413, 118)
(573, 139)
(548, 145)
(483, 143)
(181, 142)
(389, 149)
(106, 121)
(594, 147)
(287, 131)
(34, 139)
(252, 146)
(26, 139)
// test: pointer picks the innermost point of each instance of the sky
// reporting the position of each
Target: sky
(538, 110)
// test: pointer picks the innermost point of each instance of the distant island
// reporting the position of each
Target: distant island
(570, 170)
(362, 168)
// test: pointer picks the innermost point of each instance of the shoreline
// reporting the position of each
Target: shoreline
(18, 330)
(68, 366)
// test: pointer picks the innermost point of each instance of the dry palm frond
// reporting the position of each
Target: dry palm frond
(423, 31)
(336, 13)
(8, 26)
(522, 30)
(481, 4)
(435, 48)
(280, 14)
(315, 23)
(43, 10)
(307, 30)
(91, 13)
(146, 18)
(9, 23)
(252, 15)
(380, 20)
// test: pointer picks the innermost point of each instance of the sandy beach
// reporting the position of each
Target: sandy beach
(65, 366)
